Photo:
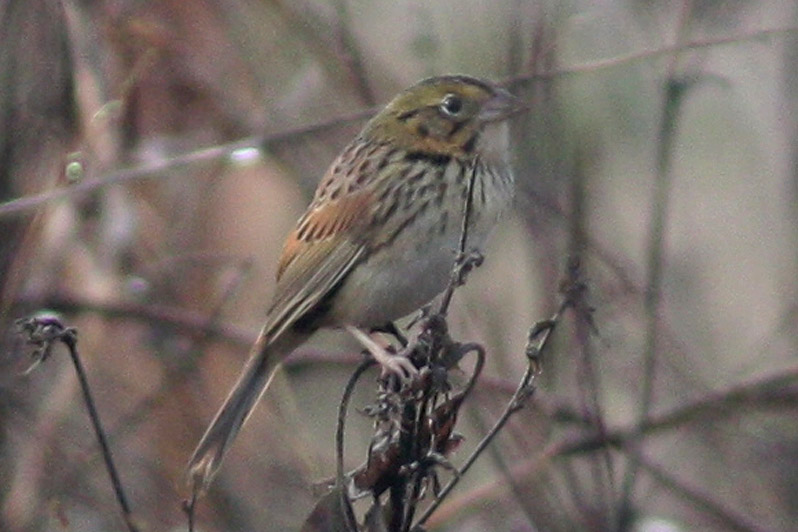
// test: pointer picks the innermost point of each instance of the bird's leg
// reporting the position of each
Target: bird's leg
(396, 364)
(393, 330)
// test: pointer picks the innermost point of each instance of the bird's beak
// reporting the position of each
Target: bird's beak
(500, 106)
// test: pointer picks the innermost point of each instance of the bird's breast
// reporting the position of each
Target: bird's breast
(415, 249)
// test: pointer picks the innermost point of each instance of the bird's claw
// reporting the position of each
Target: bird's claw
(391, 364)
(398, 365)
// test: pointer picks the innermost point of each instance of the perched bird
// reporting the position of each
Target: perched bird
(381, 236)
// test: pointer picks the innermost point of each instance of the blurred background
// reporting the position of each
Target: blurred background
(153, 155)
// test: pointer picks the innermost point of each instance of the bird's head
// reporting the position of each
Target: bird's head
(446, 115)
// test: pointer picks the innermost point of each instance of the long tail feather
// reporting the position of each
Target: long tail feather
(255, 378)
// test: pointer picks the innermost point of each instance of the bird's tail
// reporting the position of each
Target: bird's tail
(264, 360)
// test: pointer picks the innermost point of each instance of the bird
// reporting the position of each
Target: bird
(381, 235)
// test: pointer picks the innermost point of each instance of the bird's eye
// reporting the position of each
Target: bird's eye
(451, 104)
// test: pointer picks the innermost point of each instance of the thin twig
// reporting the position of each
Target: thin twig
(772, 392)
(538, 340)
(775, 391)
(463, 263)
(570, 446)
(27, 203)
(463, 350)
(350, 54)
(71, 343)
(182, 320)
(158, 167)
(340, 480)
(730, 517)
(620, 60)
(587, 377)
(673, 98)
(43, 332)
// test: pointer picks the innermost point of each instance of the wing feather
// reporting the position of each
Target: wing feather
(317, 255)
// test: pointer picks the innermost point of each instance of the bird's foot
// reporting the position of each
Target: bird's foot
(393, 364)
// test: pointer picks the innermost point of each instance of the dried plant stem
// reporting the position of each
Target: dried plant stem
(673, 98)
(538, 340)
(30, 202)
(350, 54)
(464, 263)
(770, 393)
(43, 333)
(632, 57)
(155, 168)
(340, 481)
(587, 376)
(100, 433)
(418, 413)
(730, 517)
